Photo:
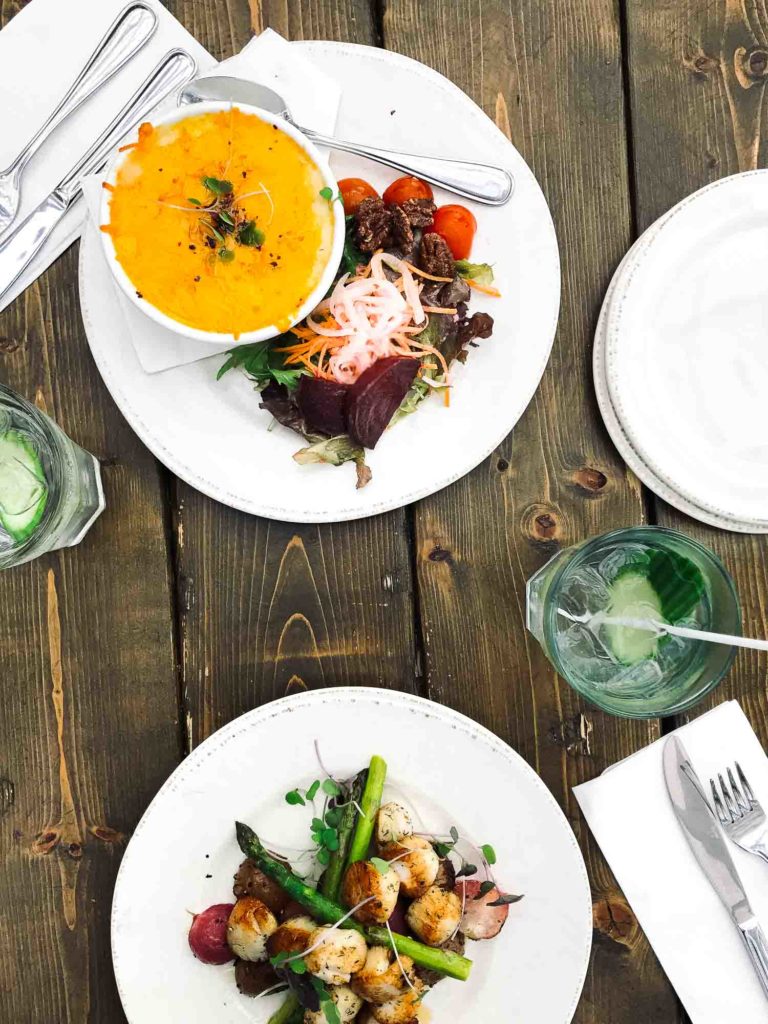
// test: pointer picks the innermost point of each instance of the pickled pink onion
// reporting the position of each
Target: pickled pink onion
(371, 315)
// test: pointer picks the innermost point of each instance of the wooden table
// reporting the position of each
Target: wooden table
(177, 614)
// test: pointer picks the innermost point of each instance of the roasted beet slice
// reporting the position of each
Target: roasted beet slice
(321, 403)
(375, 397)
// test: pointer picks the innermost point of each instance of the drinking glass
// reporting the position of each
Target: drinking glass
(648, 569)
(50, 489)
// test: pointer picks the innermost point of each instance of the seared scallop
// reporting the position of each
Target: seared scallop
(249, 926)
(382, 979)
(435, 916)
(340, 953)
(392, 823)
(347, 1003)
(403, 1010)
(415, 862)
(364, 881)
(291, 936)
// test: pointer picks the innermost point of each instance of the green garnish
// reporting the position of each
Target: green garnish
(466, 869)
(218, 186)
(382, 866)
(326, 193)
(331, 788)
(312, 791)
(193, 201)
(489, 853)
(327, 1004)
(485, 888)
(482, 273)
(226, 218)
(249, 234)
(262, 364)
(294, 798)
(226, 255)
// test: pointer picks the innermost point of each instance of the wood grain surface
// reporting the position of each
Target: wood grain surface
(177, 614)
(550, 75)
(89, 712)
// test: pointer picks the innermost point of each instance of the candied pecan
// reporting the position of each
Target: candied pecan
(402, 232)
(435, 257)
(373, 221)
(419, 212)
(479, 325)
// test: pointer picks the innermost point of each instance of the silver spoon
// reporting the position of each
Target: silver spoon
(128, 34)
(482, 182)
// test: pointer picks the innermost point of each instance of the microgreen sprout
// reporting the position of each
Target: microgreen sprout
(381, 865)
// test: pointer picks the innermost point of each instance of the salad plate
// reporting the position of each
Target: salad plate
(619, 436)
(685, 366)
(213, 434)
(449, 771)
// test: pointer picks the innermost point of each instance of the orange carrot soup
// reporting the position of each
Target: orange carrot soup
(219, 222)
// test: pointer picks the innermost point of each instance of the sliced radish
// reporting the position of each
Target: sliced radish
(208, 935)
(479, 920)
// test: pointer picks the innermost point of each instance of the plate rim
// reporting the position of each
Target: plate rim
(473, 458)
(617, 434)
(341, 694)
(631, 265)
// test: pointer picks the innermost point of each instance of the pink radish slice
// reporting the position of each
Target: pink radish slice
(208, 935)
(480, 921)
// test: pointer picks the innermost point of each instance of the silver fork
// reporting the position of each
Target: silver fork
(741, 815)
(131, 30)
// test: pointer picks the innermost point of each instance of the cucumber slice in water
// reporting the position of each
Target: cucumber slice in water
(677, 581)
(634, 597)
(23, 487)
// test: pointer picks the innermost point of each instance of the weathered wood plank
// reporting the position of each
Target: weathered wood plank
(89, 716)
(550, 74)
(267, 607)
(698, 75)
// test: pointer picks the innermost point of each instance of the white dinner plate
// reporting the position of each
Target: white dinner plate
(619, 436)
(214, 436)
(450, 770)
(686, 362)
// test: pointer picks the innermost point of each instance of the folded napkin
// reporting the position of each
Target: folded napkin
(270, 60)
(629, 811)
(42, 50)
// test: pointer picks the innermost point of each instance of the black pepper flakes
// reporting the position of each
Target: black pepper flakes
(197, 278)
(192, 248)
(139, 295)
(273, 263)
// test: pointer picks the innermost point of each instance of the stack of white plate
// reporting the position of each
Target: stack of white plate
(681, 355)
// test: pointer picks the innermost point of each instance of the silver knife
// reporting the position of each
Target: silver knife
(19, 246)
(710, 848)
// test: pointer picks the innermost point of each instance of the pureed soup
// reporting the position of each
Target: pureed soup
(219, 223)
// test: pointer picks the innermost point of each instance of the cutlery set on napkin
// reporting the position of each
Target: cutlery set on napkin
(670, 820)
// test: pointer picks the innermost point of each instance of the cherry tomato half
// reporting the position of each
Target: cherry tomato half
(354, 191)
(407, 188)
(457, 225)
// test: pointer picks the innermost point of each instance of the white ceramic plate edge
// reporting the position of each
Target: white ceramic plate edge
(616, 432)
(716, 516)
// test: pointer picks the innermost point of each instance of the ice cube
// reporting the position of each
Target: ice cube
(622, 558)
(585, 591)
(641, 680)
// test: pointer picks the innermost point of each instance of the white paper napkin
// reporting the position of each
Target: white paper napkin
(629, 811)
(313, 99)
(42, 50)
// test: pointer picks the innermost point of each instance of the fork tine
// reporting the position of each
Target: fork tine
(746, 786)
(740, 801)
(728, 798)
(724, 819)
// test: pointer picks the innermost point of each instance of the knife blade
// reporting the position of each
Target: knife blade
(18, 248)
(710, 848)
